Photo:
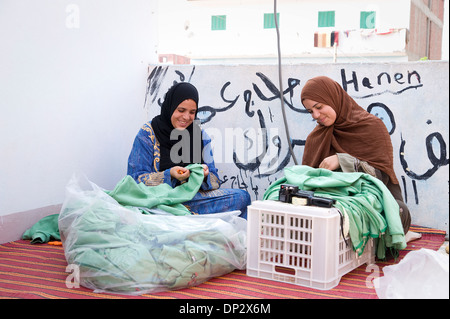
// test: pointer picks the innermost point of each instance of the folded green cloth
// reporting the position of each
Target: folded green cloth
(118, 249)
(370, 206)
(128, 193)
(44, 230)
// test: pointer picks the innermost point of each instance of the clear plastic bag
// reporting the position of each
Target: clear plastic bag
(422, 274)
(118, 249)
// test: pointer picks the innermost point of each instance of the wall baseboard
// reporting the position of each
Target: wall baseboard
(13, 226)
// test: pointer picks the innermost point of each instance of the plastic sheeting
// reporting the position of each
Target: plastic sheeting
(118, 249)
(421, 274)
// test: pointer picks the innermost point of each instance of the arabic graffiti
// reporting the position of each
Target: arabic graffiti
(257, 105)
(434, 160)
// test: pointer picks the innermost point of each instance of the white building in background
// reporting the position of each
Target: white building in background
(316, 31)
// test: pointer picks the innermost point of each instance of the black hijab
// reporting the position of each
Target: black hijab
(162, 126)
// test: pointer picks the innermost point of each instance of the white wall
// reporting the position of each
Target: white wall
(72, 88)
(236, 102)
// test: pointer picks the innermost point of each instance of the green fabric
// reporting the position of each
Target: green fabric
(118, 249)
(370, 206)
(129, 193)
(43, 231)
(139, 253)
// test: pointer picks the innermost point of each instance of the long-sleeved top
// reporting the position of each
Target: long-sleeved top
(144, 163)
(145, 156)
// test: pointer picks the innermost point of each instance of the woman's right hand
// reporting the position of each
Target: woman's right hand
(330, 162)
(180, 173)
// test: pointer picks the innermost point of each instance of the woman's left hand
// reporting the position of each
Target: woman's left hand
(330, 162)
(205, 170)
(180, 173)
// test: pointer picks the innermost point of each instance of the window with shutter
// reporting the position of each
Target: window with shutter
(219, 22)
(326, 19)
(367, 20)
(269, 20)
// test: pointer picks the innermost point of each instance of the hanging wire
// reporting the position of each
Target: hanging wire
(281, 84)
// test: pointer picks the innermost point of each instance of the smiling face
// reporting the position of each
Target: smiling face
(324, 114)
(184, 114)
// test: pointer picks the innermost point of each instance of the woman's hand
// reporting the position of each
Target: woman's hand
(180, 173)
(330, 162)
(205, 170)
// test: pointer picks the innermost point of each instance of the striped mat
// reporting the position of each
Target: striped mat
(38, 271)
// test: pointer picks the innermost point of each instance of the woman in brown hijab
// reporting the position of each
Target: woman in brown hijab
(348, 138)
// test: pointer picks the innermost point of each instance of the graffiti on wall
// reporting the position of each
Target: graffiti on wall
(435, 145)
(253, 108)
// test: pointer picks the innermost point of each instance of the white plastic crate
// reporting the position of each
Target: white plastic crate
(301, 245)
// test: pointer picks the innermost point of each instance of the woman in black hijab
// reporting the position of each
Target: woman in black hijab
(171, 141)
(176, 125)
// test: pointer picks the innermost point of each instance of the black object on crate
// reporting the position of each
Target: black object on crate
(292, 194)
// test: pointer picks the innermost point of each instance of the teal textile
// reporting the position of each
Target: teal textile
(120, 250)
(371, 208)
(43, 231)
(129, 193)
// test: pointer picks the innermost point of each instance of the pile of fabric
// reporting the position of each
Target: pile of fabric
(369, 206)
(136, 239)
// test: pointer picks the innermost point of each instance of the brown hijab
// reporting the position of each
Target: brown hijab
(355, 131)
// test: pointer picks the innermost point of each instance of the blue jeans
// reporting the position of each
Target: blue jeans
(219, 201)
